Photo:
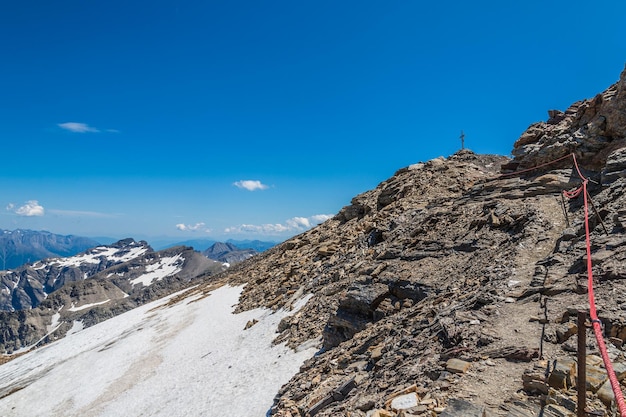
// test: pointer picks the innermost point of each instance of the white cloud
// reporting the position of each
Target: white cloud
(250, 185)
(299, 222)
(78, 127)
(320, 218)
(295, 224)
(192, 228)
(29, 209)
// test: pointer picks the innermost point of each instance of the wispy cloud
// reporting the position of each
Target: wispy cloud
(260, 229)
(193, 228)
(29, 209)
(250, 185)
(79, 213)
(78, 127)
(295, 224)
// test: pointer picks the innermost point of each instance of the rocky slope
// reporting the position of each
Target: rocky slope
(453, 289)
(18, 247)
(47, 299)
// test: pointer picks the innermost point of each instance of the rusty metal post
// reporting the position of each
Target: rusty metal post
(581, 385)
(564, 209)
(606, 232)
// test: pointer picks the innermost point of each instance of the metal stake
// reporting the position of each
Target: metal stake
(597, 214)
(564, 209)
(581, 384)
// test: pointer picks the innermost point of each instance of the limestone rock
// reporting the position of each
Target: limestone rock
(457, 366)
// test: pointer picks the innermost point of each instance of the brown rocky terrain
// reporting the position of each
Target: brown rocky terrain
(452, 288)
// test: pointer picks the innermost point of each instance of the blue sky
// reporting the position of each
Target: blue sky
(256, 119)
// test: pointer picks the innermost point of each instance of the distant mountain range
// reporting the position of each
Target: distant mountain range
(53, 283)
(203, 244)
(21, 246)
(42, 301)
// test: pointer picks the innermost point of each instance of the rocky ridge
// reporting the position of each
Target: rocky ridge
(27, 286)
(452, 289)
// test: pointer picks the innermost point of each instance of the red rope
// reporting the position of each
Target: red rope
(595, 322)
(535, 167)
(573, 194)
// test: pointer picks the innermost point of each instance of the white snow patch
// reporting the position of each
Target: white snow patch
(85, 306)
(55, 322)
(186, 359)
(77, 326)
(56, 278)
(168, 265)
(301, 302)
(94, 257)
(38, 265)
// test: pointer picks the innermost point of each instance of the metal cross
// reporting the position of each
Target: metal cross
(462, 140)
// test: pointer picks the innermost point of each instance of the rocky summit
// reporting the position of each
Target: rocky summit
(453, 288)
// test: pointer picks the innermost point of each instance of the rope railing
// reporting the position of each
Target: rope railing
(508, 174)
(595, 321)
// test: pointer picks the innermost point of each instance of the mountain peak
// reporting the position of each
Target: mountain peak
(452, 288)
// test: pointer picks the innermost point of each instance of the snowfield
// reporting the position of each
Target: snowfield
(191, 358)
(166, 266)
(93, 257)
